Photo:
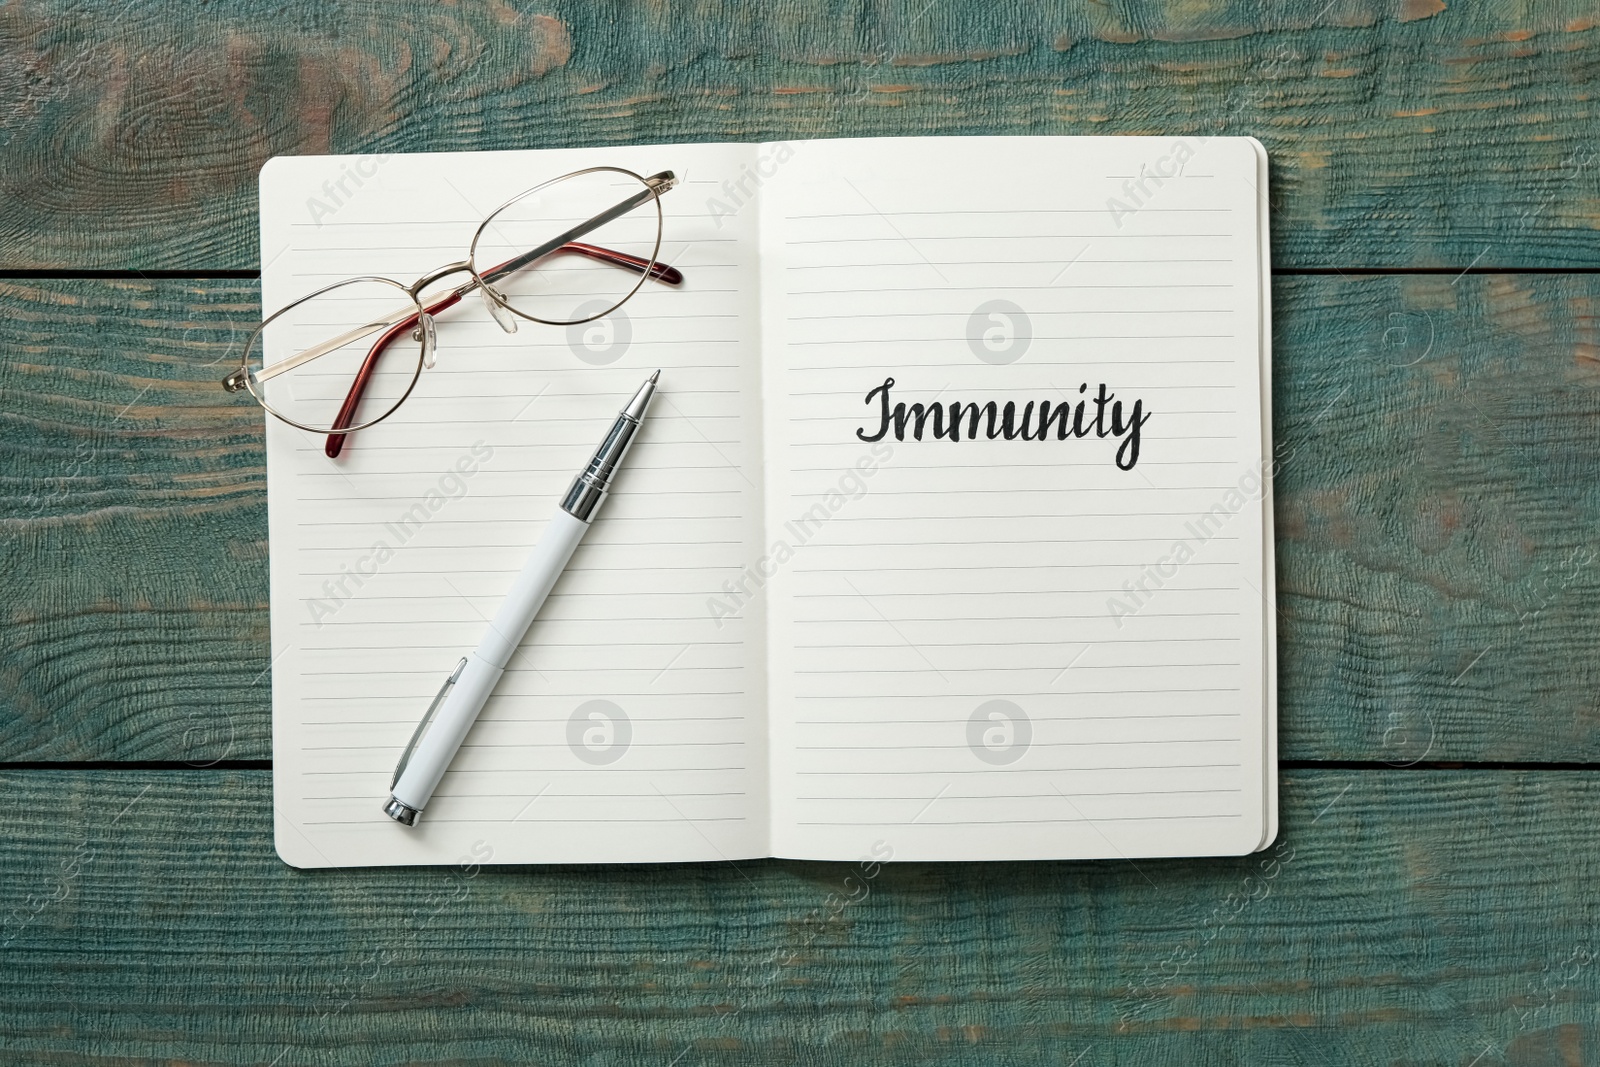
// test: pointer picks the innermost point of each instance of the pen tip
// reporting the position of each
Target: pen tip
(655, 377)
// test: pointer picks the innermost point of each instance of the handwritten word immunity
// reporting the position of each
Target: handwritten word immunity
(1101, 415)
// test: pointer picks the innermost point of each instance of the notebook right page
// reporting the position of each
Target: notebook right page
(1015, 502)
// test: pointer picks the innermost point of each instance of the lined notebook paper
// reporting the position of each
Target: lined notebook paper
(1041, 627)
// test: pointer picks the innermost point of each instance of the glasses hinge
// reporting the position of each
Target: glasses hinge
(237, 380)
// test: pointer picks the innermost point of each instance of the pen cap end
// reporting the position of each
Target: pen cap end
(402, 813)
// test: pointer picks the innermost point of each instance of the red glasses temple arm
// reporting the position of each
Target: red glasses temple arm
(660, 272)
(347, 411)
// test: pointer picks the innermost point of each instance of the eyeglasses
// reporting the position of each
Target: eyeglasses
(309, 367)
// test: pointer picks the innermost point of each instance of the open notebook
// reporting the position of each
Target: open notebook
(793, 632)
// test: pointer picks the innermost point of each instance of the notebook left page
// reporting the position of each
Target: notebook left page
(629, 726)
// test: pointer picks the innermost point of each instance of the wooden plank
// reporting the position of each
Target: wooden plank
(1440, 593)
(1403, 132)
(1404, 917)
(1436, 515)
(134, 529)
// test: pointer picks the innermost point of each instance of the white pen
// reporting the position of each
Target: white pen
(458, 702)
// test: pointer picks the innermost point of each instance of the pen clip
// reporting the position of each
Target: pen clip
(427, 717)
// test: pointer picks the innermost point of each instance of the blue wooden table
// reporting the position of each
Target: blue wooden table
(1436, 231)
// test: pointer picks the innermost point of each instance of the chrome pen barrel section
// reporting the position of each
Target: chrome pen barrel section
(400, 812)
(589, 489)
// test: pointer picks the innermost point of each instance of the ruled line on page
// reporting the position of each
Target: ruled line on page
(1006, 212)
(1021, 821)
(1076, 768)
(1017, 261)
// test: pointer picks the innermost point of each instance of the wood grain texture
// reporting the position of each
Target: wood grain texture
(1405, 917)
(1437, 512)
(133, 525)
(1437, 506)
(1402, 132)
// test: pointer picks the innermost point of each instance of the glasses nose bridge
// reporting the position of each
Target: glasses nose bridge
(463, 266)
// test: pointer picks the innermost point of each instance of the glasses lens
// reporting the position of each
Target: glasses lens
(315, 359)
(585, 275)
